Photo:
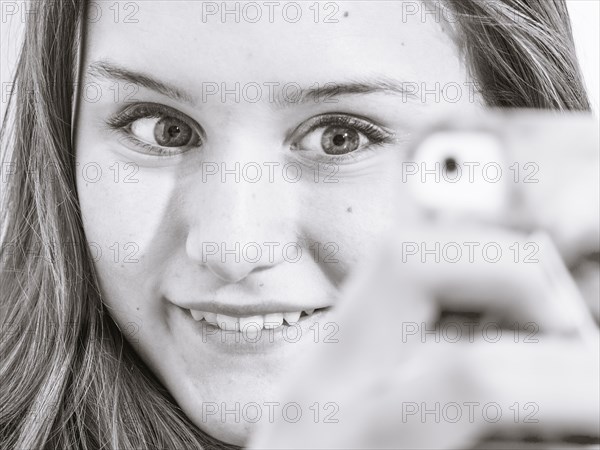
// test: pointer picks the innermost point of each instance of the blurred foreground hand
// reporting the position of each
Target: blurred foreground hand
(444, 353)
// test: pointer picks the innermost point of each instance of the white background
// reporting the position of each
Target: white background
(585, 15)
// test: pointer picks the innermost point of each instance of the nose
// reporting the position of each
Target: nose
(233, 253)
(240, 228)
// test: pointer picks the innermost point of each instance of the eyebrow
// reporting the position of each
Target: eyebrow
(330, 90)
(109, 71)
(316, 93)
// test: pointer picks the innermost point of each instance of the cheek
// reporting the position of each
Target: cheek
(347, 219)
(126, 212)
(137, 219)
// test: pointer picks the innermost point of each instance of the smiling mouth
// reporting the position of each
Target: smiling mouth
(253, 323)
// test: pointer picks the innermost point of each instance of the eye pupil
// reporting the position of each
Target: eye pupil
(172, 132)
(338, 140)
(450, 164)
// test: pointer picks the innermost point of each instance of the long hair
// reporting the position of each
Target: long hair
(521, 52)
(68, 377)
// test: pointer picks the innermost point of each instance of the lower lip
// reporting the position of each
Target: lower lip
(317, 328)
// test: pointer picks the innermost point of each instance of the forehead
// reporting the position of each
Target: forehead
(186, 42)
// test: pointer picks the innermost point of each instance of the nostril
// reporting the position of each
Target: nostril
(234, 272)
(229, 273)
(261, 268)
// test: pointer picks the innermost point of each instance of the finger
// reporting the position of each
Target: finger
(373, 411)
(557, 377)
(486, 269)
(396, 298)
(454, 396)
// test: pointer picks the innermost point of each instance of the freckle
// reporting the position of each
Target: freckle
(349, 209)
(138, 308)
(261, 284)
(346, 14)
(402, 44)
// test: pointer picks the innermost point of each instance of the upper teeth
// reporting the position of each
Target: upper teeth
(267, 321)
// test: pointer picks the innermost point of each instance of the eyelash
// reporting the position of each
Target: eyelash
(378, 135)
(121, 122)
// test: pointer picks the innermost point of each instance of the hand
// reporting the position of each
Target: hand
(384, 373)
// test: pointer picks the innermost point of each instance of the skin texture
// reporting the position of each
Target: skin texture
(160, 222)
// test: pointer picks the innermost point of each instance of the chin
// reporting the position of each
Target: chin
(230, 405)
(230, 433)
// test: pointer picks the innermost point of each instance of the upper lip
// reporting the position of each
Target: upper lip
(248, 309)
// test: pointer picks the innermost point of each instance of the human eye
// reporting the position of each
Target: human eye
(339, 138)
(156, 129)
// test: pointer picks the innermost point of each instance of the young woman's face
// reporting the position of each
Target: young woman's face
(240, 170)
